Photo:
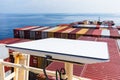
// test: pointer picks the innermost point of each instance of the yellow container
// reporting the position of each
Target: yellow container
(81, 32)
(51, 32)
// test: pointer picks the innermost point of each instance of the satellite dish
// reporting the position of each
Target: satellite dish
(3, 51)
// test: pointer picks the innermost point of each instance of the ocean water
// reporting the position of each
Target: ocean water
(10, 21)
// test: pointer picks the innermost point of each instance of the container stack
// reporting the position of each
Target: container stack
(37, 32)
(105, 33)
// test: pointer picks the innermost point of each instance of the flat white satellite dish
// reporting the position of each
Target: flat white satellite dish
(76, 51)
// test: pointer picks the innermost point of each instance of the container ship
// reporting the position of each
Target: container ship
(105, 31)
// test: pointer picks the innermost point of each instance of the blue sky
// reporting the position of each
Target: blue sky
(59, 6)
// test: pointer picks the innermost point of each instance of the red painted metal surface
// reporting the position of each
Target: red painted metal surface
(105, 71)
(77, 69)
(87, 38)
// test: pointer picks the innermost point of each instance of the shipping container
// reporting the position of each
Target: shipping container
(114, 33)
(45, 32)
(51, 33)
(59, 32)
(105, 33)
(97, 32)
(72, 34)
(36, 33)
(64, 34)
(17, 33)
(89, 32)
(26, 31)
(82, 32)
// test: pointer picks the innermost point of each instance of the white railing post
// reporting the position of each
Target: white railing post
(2, 71)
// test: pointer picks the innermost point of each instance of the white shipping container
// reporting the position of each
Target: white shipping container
(45, 32)
(105, 33)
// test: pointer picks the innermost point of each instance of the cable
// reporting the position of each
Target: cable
(57, 72)
(44, 64)
(61, 72)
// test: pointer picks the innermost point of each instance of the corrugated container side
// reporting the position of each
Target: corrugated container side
(105, 33)
(16, 33)
(114, 33)
(65, 33)
(38, 34)
(32, 34)
(89, 32)
(82, 32)
(51, 33)
(119, 32)
(27, 32)
(45, 32)
(72, 34)
(97, 33)
(58, 33)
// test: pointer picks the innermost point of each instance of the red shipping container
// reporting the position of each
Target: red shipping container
(38, 34)
(27, 32)
(114, 33)
(97, 33)
(58, 33)
(72, 35)
(89, 32)
(65, 33)
(17, 33)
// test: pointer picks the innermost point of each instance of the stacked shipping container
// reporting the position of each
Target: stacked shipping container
(64, 31)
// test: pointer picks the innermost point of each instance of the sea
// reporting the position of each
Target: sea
(8, 22)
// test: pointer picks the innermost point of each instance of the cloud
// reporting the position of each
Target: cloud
(59, 6)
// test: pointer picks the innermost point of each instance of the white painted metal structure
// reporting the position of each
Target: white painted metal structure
(77, 51)
(3, 52)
